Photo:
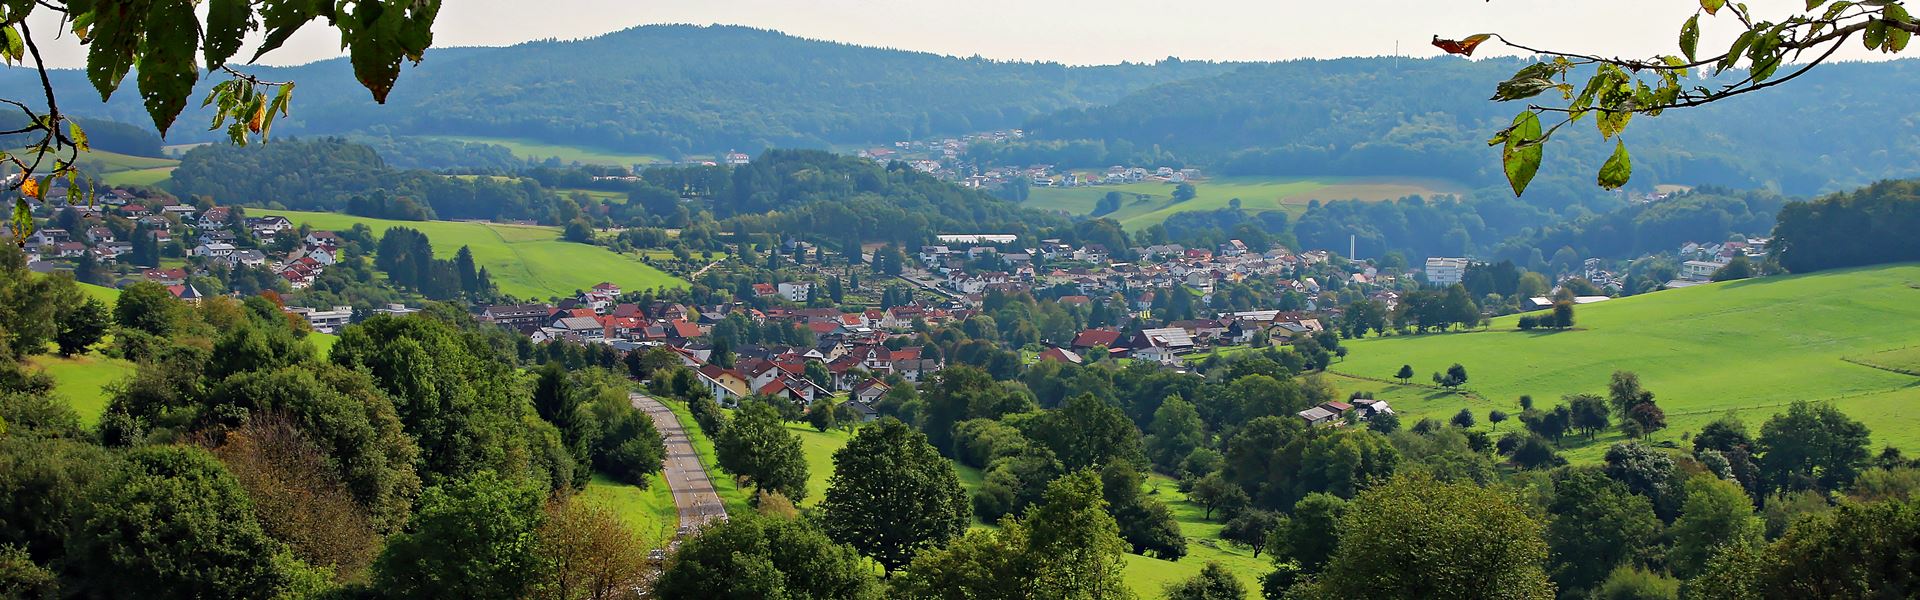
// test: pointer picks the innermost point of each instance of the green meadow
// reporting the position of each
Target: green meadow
(540, 151)
(649, 511)
(527, 261)
(1149, 203)
(1751, 347)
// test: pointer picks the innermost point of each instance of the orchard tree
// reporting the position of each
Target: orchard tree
(1405, 375)
(1463, 419)
(1495, 417)
(892, 495)
(169, 42)
(1811, 446)
(1617, 89)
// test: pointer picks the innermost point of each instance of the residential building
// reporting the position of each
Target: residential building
(1444, 272)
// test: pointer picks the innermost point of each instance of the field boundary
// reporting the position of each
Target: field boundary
(1861, 360)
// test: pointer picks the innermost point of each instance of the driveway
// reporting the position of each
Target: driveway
(693, 493)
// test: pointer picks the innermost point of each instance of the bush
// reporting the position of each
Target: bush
(1527, 323)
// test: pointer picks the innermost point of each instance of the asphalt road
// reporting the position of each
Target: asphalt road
(693, 493)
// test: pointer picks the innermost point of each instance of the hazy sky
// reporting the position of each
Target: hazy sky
(1087, 32)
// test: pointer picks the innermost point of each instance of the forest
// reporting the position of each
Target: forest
(679, 89)
(1430, 117)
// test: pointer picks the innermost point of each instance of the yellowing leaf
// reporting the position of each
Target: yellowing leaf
(1712, 6)
(1463, 46)
(30, 188)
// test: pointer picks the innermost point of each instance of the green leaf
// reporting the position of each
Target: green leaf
(1875, 35)
(1712, 6)
(1690, 37)
(228, 22)
(1813, 4)
(1618, 167)
(167, 69)
(1515, 89)
(1739, 47)
(1521, 156)
(1897, 39)
(116, 27)
(12, 46)
(281, 19)
(277, 109)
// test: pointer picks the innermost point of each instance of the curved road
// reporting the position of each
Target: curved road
(693, 493)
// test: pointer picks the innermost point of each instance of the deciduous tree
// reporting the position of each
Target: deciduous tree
(892, 495)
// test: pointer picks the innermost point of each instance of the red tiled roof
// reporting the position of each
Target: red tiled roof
(1096, 337)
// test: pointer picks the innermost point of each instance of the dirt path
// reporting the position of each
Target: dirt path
(693, 493)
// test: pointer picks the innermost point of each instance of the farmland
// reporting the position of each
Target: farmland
(1749, 346)
(525, 261)
(540, 151)
(1146, 204)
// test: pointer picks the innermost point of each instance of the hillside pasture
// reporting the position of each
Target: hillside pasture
(1149, 203)
(541, 151)
(526, 261)
(1750, 347)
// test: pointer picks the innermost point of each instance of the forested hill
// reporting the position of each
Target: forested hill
(1838, 127)
(682, 89)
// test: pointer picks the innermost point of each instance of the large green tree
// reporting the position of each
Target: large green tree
(1175, 432)
(756, 446)
(1595, 524)
(1716, 513)
(472, 538)
(172, 523)
(754, 556)
(1811, 446)
(1415, 537)
(892, 495)
(1214, 582)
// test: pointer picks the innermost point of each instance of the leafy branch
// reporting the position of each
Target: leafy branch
(1620, 88)
(167, 43)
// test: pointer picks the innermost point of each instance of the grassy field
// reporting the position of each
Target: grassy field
(82, 381)
(153, 176)
(102, 293)
(818, 447)
(1148, 577)
(1899, 360)
(1148, 203)
(525, 261)
(649, 511)
(1749, 346)
(541, 151)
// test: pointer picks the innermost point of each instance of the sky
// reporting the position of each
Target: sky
(1085, 32)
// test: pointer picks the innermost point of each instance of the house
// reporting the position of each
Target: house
(185, 292)
(213, 250)
(1090, 338)
(796, 291)
(1699, 270)
(515, 315)
(99, 235)
(321, 238)
(869, 391)
(1446, 271)
(323, 321)
(215, 218)
(1061, 355)
(1318, 416)
(248, 258)
(765, 289)
(726, 385)
(862, 412)
(1172, 338)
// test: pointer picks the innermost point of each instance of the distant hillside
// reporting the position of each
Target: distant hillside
(1840, 126)
(680, 89)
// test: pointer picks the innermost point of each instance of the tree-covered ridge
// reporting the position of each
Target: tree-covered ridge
(811, 191)
(1872, 225)
(1382, 116)
(678, 89)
